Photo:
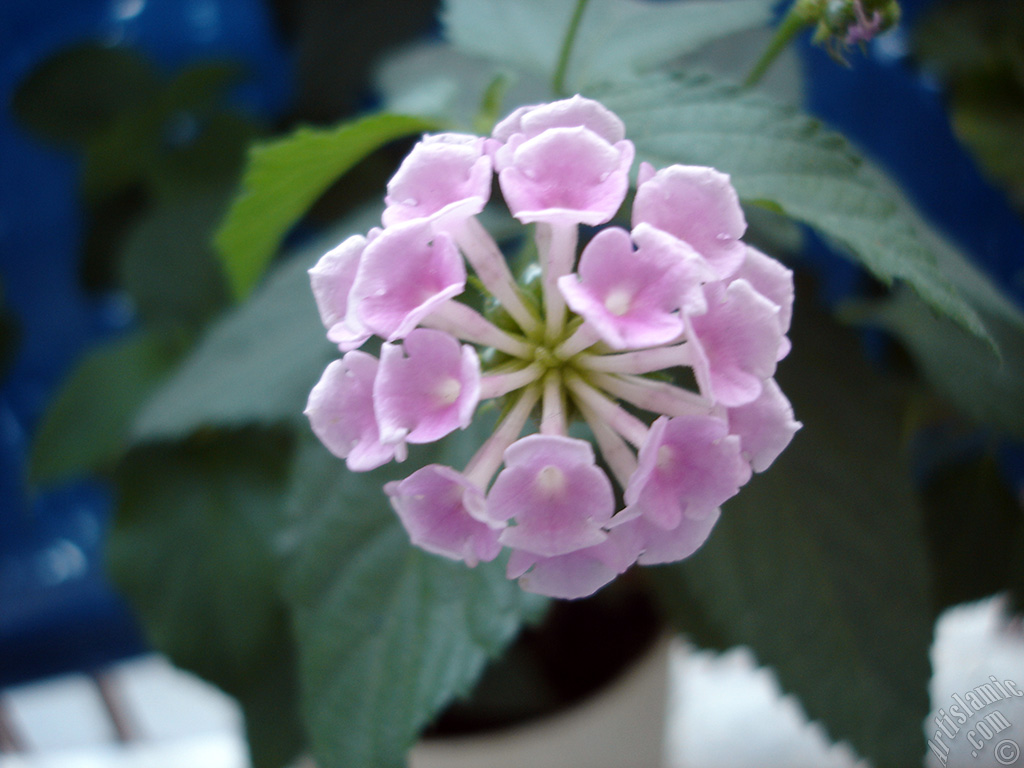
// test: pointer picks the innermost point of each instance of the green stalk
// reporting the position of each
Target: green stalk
(558, 82)
(792, 24)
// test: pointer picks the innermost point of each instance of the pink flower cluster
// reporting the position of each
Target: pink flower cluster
(678, 289)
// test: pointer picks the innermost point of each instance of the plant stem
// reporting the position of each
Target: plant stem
(558, 82)
(792, 23)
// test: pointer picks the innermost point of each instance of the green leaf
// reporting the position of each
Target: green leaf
(192, 549)
(86, 427)
(256, 364)
(78, 92)
(285, 177)
(819, 564)
(209, 153)
(388, 634)
(774, 153)
(168, 266)
(970, 510)
(147, 142)
(960, 367)
(617, 39)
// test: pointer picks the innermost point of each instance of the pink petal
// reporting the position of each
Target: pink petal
(426, 388)
(404, 275)
(444, 514)
(632, 298)
(774, 281)
(564, 175)
(698, 205)
(556, 495)
(661, 546)
(331, 279)
(694, 270)
(688, 466)
(735, 343)
(765, 426)
(576, 574)
(340, 411)
(445, 178)
(567, 113)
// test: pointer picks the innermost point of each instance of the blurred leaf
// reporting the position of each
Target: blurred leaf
(168, 266)
(192, 548)
(991, 124)
(285, 177)
(965, 38)
(388, 634)
(616, 40)
(960, 367)
(977, 50)
(79, 91)
(135, 146)
(256, 364)
(819, 564)
(970, 510)
(201, 152)
(108, 222)
(117, 157)
(774, 153)
(86, 427)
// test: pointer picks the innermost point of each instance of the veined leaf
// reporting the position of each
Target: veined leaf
(388, 634)
(87, 426)
(776, 154)
(960, 367)
(193, 549)
(819, 565)
(285, 177)
(616, 40)
(258, 361)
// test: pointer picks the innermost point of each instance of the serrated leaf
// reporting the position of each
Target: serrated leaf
(616, 39)
(774, 153)
(960, 367)
(77, 92)
(285, 177)
(86, 427)
(819, 564)
(256, 364)
(192, 549)
(388, 634)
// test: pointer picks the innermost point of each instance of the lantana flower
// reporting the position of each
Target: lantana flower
(616, 324)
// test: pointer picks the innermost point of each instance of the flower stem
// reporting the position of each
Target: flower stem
(558, 81)
(467, 324)
(623, 422)
(640, 361)
(657, 396)
(584, 336)
(490, 266)
(792, 23)
(616, 452)
(552, 420)
(498, 384)
(556, 246)
(484, 464)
